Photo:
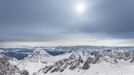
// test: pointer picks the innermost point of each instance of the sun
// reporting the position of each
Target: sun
(80, 7)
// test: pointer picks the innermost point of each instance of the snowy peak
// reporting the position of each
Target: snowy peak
(38, 59)
(40, 52)
(38, 55)
(79, 54)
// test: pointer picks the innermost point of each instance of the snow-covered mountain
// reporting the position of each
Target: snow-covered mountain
(38, 55)
(83, 61)
(76, 61)
(38, 59)
(34, 61)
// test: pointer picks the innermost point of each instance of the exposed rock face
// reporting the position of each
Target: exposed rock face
(87, 63)
(132, 57)
(132, 60)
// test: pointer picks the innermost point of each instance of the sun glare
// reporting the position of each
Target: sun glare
(80, 7)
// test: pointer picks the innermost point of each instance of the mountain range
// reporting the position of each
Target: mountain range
(74, 61)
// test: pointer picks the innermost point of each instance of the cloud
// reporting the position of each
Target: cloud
(54, 20)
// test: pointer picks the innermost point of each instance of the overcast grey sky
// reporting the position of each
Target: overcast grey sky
(56, 19)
